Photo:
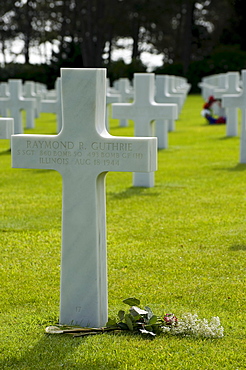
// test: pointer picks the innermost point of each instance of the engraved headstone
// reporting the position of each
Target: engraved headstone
(83, 152)
(143, 111)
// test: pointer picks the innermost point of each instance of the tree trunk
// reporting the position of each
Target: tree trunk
(27, 32)
(187, 34)
(135, 36)
(3, 48)
(92, 31)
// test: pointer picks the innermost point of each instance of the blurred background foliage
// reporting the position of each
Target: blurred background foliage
(194, 38)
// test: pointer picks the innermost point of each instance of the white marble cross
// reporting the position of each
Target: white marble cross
(208, 85)
(29, 92)
(162, 95)
(217, 92)
(53, 105)
(83, 152)
(16, 103)
(239, 101)
(233, 88)
(6, 128)
(4, 96)
(173, 88)
(143, 111)
(123, 87)
(111, 97)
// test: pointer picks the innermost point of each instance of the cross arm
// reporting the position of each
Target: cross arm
(229, 101)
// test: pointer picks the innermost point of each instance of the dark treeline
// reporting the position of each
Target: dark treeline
(196, 37)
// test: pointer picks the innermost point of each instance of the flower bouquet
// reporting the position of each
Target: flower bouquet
(144, 322)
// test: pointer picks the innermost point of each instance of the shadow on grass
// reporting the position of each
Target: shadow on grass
(239, 167)
(7, 151)
(49, 352)
(131, 192)
(228, 137)
(41, 170)
(56, 351)
(237, 247)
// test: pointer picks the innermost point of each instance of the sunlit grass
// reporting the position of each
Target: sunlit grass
(178, 247)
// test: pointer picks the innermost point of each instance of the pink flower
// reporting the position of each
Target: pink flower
(170, 319)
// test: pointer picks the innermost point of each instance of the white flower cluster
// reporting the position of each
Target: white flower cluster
(191, 325)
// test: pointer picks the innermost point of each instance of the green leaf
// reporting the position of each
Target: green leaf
(111, 322)
(136, 318)
(129, 322)
(156, 329)
(152, 320)
(121, 315)
(122, 325)
(132, 301)
(150, 313)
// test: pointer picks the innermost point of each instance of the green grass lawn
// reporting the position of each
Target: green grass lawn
(179, 247)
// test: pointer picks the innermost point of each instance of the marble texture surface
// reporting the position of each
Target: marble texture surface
(83, 152)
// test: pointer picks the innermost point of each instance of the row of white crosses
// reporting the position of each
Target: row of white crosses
(143, 110)
(33, 96)
(234, 101)
(15, 97)
(52, 104)
(232, 91)
(218, 86)
(112, 96)
(6, 128)
(83, 152)
(15, 103)
(231, 81)
(210, 85)
(168, 92)
(4, 93)
(125, 90)
(168, 89)
(152, 102)
(207, 85)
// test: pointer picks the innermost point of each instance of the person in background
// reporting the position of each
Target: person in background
(207, 112)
